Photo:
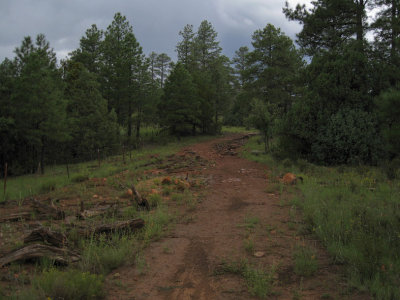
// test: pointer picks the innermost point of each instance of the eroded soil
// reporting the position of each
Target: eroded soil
(185, 263)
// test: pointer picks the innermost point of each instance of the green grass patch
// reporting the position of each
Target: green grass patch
(355, 212)
(259, 282)
(56, 176)
(305, 261)
(69, 285)
(104, 254)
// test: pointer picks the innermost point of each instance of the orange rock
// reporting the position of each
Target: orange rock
(166, 180)
(290, 178)
(129, 192)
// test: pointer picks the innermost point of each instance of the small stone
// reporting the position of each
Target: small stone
(259, 254)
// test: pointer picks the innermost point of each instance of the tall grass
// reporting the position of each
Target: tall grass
(355, 212)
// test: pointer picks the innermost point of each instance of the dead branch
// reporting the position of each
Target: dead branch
(42, 234)
(47, 210)
(34, 251)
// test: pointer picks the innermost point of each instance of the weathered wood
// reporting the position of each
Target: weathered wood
(136, 198)
(47, 210)
(140, 201)
(35, 251)
(134, 224)
(25, 215)
(42, 234)
(88, 213)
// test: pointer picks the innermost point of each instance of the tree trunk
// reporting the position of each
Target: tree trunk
(129, 119)
(42, 157)
(138, 123)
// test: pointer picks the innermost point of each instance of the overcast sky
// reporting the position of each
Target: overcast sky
(156, 23)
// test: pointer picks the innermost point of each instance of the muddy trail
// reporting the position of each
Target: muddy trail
(238, 220)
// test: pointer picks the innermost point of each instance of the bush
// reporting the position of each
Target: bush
(349, 137)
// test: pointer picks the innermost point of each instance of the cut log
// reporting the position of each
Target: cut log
(133, 225)
(42, 234)
(47, 210)
(34, 251)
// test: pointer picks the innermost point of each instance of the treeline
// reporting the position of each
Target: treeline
(99, 99)
(335, 99)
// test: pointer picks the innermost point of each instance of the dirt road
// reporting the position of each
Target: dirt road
(185, 264)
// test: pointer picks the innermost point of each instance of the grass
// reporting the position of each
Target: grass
(69, 285)
(355, 212)
(259, 282)
(305, 261)
(56, 176)
(100, 255)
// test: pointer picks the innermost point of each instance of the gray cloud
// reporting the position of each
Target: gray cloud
(156, 23)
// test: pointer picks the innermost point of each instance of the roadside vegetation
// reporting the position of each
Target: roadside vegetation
(354, 212)
(91, 185)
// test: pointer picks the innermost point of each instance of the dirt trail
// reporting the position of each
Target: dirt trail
(182, 265)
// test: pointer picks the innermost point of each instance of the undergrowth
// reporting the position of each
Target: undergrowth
(355, 212)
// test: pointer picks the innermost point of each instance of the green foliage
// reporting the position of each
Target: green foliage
(352, 133)
(388, 110)
(32, 93)
(79, 178)
(48, 186)
(355, 213)
(259, 282)
(261, 118)
(102, 256)
(180, 107)
(68, 285)
(92, 127)
(274, 66)
(305, 261)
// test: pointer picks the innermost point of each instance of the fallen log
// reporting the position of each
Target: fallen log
(133, 225)
(26, 215)
(89, 213)
(47, 210)
(42, 234)
(34, 251)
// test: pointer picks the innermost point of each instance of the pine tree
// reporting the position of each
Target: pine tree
(37, 102)
(274, 66)
(92, 127)
(89, 52)
(122, 57)
(180, 105)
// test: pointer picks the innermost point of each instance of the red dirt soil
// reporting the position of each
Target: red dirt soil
(182, 265)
